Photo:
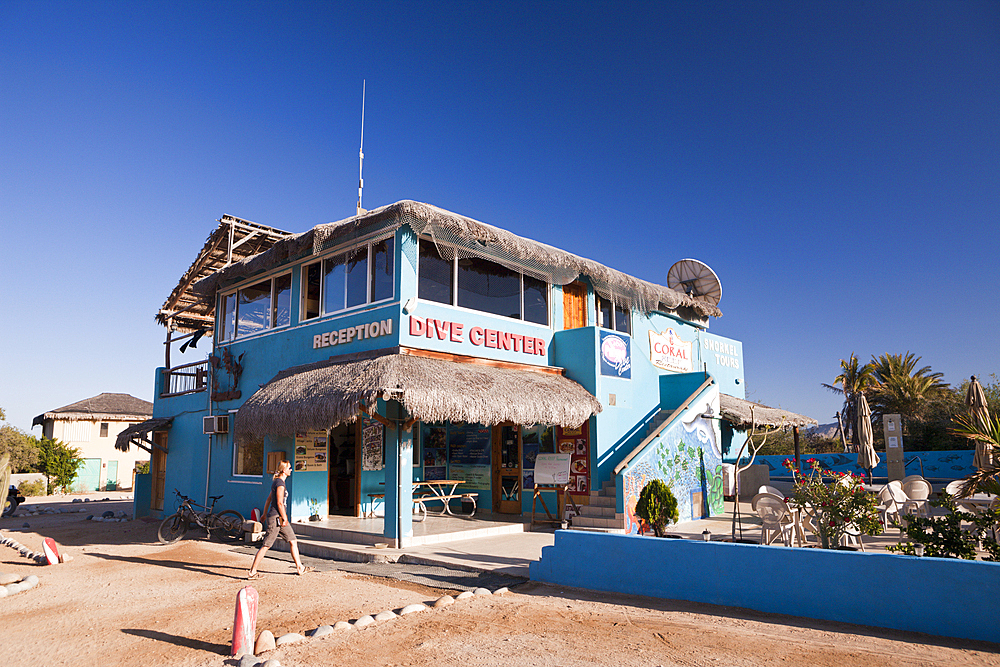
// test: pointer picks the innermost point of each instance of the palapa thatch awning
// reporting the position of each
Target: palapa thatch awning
(737, 412)
(136, 434)
(457, 235)
(324, 394)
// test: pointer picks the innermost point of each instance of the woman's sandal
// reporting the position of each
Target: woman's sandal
(254, 576)
(306, 569)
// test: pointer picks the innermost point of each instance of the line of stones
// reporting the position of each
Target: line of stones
(267, 642)
(14, 584)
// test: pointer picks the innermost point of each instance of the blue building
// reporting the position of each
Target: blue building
(410, 344)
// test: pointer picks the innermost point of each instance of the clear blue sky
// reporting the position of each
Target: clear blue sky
(836, 164)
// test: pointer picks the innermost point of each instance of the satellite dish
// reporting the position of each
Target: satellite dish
(695, 279)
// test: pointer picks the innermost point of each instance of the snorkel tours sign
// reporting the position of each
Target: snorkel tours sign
(669, 352)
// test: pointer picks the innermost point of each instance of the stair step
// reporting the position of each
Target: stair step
(602, 501)
(597, 511)
(599, 522)
(593, 529)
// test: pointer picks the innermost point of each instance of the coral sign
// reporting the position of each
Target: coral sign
(669, 352)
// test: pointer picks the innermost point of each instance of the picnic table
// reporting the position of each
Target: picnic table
(436, 490)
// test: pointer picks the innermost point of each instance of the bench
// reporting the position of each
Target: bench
(422, 500)
(418, 509)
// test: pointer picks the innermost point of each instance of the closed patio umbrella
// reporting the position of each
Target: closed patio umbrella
(867, 458)
(975, 399)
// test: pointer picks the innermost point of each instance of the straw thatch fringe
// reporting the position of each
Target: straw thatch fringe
(737, 412)
(324, 394)
(460, 236)
(139, 431)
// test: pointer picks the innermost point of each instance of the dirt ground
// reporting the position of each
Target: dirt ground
(125, 599)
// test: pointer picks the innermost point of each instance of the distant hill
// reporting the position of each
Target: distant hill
(825, 431)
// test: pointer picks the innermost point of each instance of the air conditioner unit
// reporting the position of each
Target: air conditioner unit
(215, 424)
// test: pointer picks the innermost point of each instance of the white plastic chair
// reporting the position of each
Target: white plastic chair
(918, 491)
(764, 488)
(888, 507)
(776, 517)
(909, 478)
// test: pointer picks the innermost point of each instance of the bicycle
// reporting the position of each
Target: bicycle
(176, 526)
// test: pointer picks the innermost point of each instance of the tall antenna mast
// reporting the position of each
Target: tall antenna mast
(361, 151)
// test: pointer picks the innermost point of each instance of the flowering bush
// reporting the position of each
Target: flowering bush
(836, 502)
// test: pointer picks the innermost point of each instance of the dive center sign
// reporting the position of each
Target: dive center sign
(669, 352)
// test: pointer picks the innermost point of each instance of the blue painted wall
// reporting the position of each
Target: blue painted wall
(933, 595)
(943, 465)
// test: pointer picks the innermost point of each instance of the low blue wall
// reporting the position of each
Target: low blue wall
(942, 465)
(938, 596)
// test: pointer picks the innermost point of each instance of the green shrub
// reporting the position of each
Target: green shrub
(142, 468)
(657, 506)
(34, 487)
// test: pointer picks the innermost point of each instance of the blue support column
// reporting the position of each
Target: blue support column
(398, 526)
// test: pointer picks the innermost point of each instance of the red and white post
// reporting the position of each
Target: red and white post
(245, 622)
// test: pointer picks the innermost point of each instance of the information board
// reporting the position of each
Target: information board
(310, 451)
(470, 455)
(552, 469)
(372, 444)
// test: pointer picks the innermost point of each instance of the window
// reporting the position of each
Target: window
(612, 315)
(481, 285)
(261, 306)
(248, 459)
(104, 429)
(363, 275)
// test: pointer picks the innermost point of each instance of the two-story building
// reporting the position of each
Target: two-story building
(412, 344)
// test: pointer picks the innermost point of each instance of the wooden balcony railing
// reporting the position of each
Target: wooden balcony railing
(186, 379)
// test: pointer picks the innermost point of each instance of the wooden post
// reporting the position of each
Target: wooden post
(795, 439)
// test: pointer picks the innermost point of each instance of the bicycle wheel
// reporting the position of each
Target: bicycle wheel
(231, 523)
(173, 528)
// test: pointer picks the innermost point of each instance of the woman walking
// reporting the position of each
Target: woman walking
(277, 523)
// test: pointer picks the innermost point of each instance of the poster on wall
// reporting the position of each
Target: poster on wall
(470, 455)
(372, 444)
(616, 355)
(310, 451)
(435, 454)
(574, 441)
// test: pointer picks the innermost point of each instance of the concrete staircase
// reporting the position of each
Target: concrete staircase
(599, 515)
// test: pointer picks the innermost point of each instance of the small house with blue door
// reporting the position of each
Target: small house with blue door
(410, 344)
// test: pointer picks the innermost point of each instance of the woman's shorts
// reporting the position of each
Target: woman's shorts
(274, 530)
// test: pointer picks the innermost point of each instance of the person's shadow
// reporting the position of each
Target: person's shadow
(178, 641)
(181, 565)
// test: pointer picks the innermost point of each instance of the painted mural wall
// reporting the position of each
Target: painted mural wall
(942, 465)
(686, 457)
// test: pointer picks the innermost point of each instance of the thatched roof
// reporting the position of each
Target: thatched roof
(464, 237)
(232, 241)
(737, 412)
(103, 407)
(327, 393)
(136, 433)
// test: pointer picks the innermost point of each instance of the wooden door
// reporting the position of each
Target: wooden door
(158, 469)
(574, 305)
(507, 469)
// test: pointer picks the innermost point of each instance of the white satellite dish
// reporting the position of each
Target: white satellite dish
(695, 279)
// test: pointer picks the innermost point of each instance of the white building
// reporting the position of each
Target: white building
(92, 426)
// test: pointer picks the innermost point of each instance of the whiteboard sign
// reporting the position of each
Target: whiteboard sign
(552, 469)
(893, 441)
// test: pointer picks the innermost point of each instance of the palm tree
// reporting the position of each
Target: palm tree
(855, 379)
(904, 389)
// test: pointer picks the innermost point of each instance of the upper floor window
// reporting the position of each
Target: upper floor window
(257, 307)
(479, 284)
(359, 276)
(613, 315)
(104, 429)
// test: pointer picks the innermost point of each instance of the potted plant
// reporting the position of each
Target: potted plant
(657, 506)
(314, 509)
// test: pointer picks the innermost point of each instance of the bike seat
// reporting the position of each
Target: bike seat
(214, 497)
